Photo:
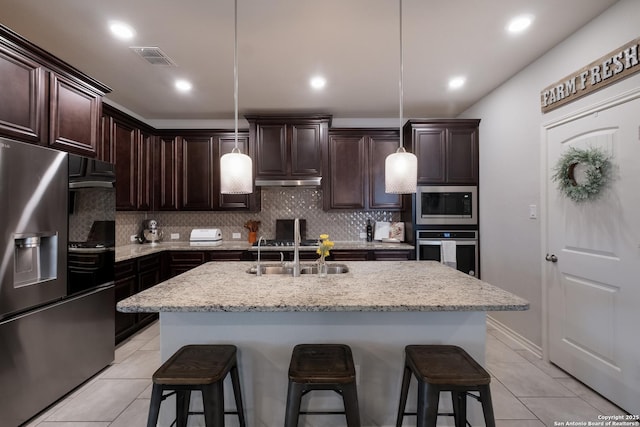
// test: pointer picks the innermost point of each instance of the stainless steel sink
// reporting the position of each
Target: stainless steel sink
(304, 269)
(331, 269)
(271, 269)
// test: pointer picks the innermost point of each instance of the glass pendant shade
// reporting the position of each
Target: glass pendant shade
(400, 172)
(236, 173)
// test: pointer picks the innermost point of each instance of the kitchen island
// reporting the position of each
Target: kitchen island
(377, 308)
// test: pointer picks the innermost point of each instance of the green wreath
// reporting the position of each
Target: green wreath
(597, 167)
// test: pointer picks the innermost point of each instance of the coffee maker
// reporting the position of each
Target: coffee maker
(150, 232)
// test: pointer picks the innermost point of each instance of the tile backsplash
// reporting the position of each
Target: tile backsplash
(277, 203)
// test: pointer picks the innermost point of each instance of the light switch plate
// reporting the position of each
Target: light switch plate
(533, 212)
(235, 235)
(175, 236)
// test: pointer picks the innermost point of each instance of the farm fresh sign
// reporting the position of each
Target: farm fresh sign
(612, 67)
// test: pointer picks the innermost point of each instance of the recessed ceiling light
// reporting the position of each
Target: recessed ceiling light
(121, 30)
(456, 82)
(318, 82)
(519, 24)
(183, 85)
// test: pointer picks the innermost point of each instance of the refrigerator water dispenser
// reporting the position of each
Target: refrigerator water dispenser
(35, 258)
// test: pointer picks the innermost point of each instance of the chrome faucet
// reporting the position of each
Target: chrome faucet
(296, 248)
(258, 269)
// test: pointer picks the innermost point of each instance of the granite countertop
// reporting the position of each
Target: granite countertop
(369, 286)
(127, 252)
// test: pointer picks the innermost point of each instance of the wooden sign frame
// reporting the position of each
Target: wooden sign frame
(608, 69)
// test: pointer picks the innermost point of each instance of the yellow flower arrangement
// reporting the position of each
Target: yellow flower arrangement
(324, 247)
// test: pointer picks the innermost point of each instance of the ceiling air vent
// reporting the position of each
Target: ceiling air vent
(153, 55)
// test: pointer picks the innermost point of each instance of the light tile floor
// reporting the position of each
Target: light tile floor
(526, 391)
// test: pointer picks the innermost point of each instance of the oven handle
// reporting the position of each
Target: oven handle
(438, 242)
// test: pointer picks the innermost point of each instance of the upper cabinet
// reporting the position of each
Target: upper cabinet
(447, 150)
(199, 169)
(44, 100)
(287, 147)
(225, 142)
(22, 97)
(130, 146)
(187, 175)
(354, 176)
(74, 116)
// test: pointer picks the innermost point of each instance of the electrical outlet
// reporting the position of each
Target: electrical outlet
(363, 235)
(235, 235)
(133, 238)
(175, 236)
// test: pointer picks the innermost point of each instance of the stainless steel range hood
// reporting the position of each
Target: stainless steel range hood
(306, 182)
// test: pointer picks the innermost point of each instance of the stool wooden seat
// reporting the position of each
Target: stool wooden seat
(444, 368)
(197, 367)
(322, 367)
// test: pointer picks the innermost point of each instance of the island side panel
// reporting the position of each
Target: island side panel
(265, 342)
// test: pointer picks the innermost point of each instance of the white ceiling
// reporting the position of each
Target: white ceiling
(282, 43)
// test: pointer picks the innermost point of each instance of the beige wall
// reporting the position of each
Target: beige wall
(510, 159)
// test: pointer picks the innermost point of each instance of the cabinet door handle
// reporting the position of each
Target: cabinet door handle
(551, 258)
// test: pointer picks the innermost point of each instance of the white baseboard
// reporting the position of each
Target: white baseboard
(509, 333)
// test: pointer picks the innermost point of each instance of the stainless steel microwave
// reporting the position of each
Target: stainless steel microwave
(447, 204)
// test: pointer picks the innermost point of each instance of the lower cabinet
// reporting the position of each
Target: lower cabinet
(131, 277)
(370, 255)
(183, 261)
(125, 286)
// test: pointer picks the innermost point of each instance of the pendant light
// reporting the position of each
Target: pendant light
(401, 168)
(236, 169)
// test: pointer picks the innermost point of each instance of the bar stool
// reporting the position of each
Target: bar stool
(322, 367)
(197, 367)
(444, 368)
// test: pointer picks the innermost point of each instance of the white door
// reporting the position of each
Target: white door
(593, 288)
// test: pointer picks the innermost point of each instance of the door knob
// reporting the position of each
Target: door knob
(551, 258)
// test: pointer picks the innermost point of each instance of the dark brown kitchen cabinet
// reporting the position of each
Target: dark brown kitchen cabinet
(45, 101)
(447, 150)
(149, 275)
(354, 176)
(346, 182)
(226, 255)
(287, 147)
(187, 175)
(131, 145)
(167, 163)
(131, 277)
(349, 255)
(75, 113)
(123, 138)
(370, 255)
(22, 97)
(145, 170)
(198, 170)
(224, 144)
(380, 145)
(391, 255)
(125, 286)
(183, 261)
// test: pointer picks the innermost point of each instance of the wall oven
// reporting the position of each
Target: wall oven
(429, 247)
(446, 205)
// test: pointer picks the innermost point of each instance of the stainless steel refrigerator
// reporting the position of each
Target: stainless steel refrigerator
(51, 339)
